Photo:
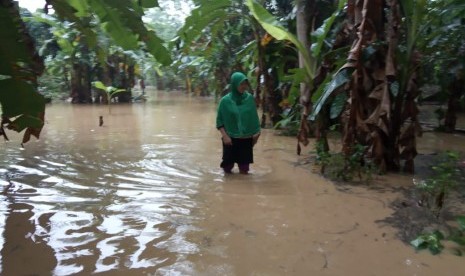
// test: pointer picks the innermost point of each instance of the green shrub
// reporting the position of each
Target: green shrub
(434, 190)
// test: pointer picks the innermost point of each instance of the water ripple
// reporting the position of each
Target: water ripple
(104, 199)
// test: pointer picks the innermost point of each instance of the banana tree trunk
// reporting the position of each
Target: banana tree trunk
(382, 109)
(127, 81)
(303, 28)
(272, 99)
(80, 84)
(456, 90)
(75, 83)
(188, 84)
(260, 94)
(304, 15)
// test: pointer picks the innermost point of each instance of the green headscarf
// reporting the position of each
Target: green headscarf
(237, 112)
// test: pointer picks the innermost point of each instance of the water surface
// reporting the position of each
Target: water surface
(144, 195)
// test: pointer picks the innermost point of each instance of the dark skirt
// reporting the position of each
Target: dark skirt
(240, 152)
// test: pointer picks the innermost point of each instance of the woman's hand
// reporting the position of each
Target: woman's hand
(225, 137)
(227, 140)
(255, 138)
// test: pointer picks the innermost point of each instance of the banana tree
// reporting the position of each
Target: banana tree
(308, 75)
(120, 19)
(443, 57)
(380, 83)
(110, 92)
(211, 33)
(272, 27)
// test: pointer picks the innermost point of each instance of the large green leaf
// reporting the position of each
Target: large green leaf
(115, 91)
(297, 77)
(13, 50)
(321, 33)
(24, 121)
(114, 26)
(155, 46)
(414, 11)
(122, 20)
(338, 105)
(210, 12)
(321, 88)
(109, 89)
(99, 85)
(19, 97)
(81, 6)
(342, 77)
(272, 26)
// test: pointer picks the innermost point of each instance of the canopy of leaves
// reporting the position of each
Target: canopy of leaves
(121, 19)
(19, 69)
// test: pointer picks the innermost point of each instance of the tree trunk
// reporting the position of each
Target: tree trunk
(303, 29)
(87, 83)
(127, 80)
(404, 123)
(80, 84)
(456, 90)
(75, 83)
(260, 95)
(188, 84)
(101, 96)
(382, 110)
(304, 15)
(130, 82)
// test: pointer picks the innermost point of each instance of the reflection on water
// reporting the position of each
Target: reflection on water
(112, 198)
(143, 194)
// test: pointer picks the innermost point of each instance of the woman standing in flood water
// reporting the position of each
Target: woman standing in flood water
(238, 122)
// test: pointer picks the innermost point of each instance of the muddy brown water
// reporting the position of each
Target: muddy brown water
(144, 195)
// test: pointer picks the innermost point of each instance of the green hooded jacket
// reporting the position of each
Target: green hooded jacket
(237, 112)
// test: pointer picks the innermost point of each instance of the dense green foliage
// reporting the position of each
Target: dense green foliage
(443, 64)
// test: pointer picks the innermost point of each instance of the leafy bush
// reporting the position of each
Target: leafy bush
(290, 122)
(434, 190)
(432, 240)
(53, 87)
(346, 168)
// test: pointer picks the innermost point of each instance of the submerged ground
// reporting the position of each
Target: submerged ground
(144, 194)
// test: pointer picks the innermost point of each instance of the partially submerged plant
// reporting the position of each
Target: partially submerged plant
(434, 193)
(434, 190)
(110, 91)
(290, 122)
(345, 168)
(432, 240)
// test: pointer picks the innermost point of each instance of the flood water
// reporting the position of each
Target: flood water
(144, 195)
